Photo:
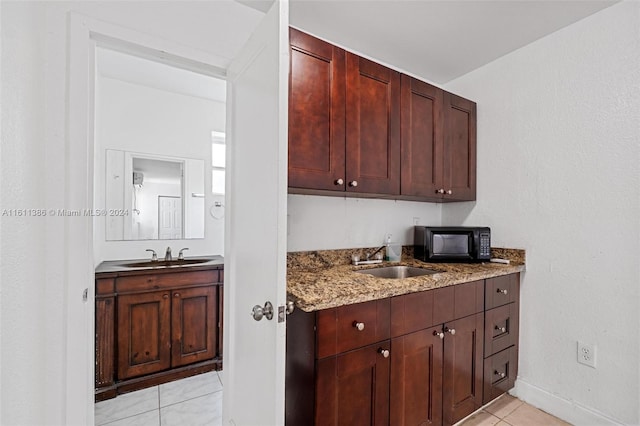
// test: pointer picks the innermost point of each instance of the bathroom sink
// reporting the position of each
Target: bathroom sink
(397, 272)
(163, 263)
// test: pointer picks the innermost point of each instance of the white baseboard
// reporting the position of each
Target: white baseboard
(564, 409)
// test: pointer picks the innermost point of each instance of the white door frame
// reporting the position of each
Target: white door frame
(85, 35)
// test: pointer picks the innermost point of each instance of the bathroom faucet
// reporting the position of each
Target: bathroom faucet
(180, 255)
(154, 256)
(167, 255)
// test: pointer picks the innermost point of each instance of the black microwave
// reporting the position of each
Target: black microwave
(452, 244)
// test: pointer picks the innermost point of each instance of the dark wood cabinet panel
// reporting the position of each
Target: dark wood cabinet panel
(412, 312)
(316, 113)
(193, 325)
(416, 378)
(422, 140)
(501, 290)
(105, 339)
(353, 388)
(459, 148)
(372, 127)
(463, 367)
(501, 328)
(144, 324)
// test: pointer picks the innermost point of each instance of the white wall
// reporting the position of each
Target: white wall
(143, 119)
(323, 223)
(33, 272)
(558, 175)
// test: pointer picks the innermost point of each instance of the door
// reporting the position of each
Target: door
(352, 388)
(144, 342)
(416, 378)
(459, 148)
(255, 224)
(169, 218)
(463, 363)
(373, 127)
(194, 330)
(316, 114)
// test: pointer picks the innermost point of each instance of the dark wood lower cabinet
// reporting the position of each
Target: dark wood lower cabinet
(462, 372)
(437, 372)
(416, 378)
(151, 329)
(353, 388)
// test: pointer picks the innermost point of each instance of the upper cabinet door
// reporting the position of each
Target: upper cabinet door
(459, 148)
(422, 139)
(316, 113)
(373, 127)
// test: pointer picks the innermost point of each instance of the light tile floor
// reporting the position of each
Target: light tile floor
(193, 401)
(197, 401)
(510, 411)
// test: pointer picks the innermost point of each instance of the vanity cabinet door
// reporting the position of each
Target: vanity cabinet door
(144, 326)
(193, 325)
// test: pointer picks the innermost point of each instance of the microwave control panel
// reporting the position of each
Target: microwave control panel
(485, 246)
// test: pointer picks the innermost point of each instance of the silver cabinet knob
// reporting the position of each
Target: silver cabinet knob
(165, 296)
(440, 191)
(176, 294)
(384, 352)
(449, 192)
(502, 329)
(258, 311)
(339, 182)
(440, 334)
(353, 183)
(503, 291)
(451, 331)
(502, 375)
(358, 325)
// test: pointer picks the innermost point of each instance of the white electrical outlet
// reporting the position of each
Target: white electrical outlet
(587, 354)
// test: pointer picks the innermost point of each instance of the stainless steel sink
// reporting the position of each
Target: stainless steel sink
(397, 272)
(163, 263)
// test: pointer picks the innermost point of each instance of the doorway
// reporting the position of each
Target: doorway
(159, 155)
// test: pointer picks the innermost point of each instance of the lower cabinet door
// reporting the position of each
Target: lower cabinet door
(352, 388)
(500, 371)
(463, 363)
(416, 378)
(194, 328)
(144, 342)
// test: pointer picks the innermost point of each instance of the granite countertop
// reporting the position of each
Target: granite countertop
(121, 268)
(325, 279)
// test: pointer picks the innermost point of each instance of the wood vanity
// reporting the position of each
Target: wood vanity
(156, 324)
(430, 352)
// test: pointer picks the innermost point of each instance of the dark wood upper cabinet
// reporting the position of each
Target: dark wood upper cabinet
(422, 139)
(373, 127)
(459, 148)
(316, 113)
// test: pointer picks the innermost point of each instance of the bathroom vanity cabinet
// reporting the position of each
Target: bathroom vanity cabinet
(156, 326)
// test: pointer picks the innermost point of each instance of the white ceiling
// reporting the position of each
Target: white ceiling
(437, 40)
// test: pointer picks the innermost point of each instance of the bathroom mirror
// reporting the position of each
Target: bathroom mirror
(153, 197)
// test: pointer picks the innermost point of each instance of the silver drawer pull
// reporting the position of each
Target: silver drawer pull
(503, 291)
(358, 325)
(502, 375)
(439, 334)
(384, 352)
(502, 329)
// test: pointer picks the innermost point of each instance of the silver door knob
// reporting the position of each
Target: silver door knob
(439, 334)
(290, 307)
(503, 291)
(384, 352)
(353, 183)
(358, 325)
(502, 329)
(339, 182)
(451, 331)
(259, 311)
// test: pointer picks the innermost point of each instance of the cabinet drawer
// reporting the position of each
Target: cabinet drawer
(457, 301)
(352, 326)
(500, 372)
(501, 290)
(500, 328)
(162, 281)
(411, 312)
